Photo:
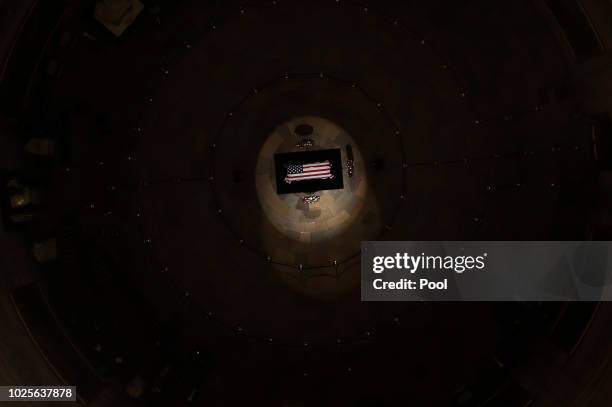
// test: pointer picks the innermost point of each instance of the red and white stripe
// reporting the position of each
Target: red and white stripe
(312, 171)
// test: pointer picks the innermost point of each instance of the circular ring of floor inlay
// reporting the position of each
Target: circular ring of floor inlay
(283, 230)
(186, 227)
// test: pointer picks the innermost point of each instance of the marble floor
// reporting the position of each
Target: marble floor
(420, 104)
(337, 210)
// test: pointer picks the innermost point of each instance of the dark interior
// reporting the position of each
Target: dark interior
(137, 263)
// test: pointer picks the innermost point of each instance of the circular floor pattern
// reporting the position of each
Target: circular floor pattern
(216, 242)
(282, 229)
(210, 117)
(460, 162)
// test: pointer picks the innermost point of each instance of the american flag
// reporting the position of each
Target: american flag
(301, 172)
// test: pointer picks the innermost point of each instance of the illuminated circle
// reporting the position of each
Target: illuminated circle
(336, 210)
